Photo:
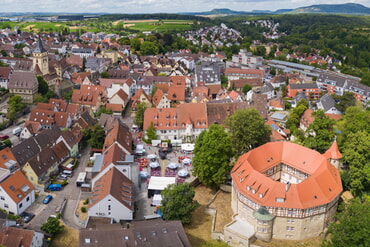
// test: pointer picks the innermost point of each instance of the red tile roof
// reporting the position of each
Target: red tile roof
(333, 152)
(321, 187)
(114, 107)
(6, 155)
(176, 92)
(89, 95)
(113, 183)
(15, 237)
(17, 186)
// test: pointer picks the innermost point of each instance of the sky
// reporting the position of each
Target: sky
(157, 6)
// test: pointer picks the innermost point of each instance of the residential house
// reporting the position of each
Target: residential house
(119, 98)
(245, 58)
(310, 90)
(112, 196)
(239, 84)
(49, 118)
(4, 76)
(157, 232)
(160, 100)
(340, 83)
(15, 237)
(277, 104)
(7, 160)
(31, 128)
(81, 78)
(25, 150)
(94, 64)
(176, 94)
(72, 138)
(24, 84)
(83, 52)
(16, 192)
(185, 122)
(266, 89)
(327, 104)
(218, 112)
(119, 133)
(236, 73)
(209, 73)
(85, 120)
(40, 167)
(306, 120)
(115, 108)
(90, 96)
(140, 97)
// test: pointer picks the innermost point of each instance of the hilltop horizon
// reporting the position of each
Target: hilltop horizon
(161, 6)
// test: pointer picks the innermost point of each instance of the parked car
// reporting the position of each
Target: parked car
(4, 137)
(27, 217)
(47, 199)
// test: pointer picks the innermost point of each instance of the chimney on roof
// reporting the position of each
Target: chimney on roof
(287, 186)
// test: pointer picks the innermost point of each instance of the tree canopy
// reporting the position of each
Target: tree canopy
(15, 103)
(139, 117)
(352, 227)
(95, 136)
(356, 155)
(150, 132)
(52, 226)
(212, 153)
(320, 132)
(247, 130)
(178, 202)
(43, 85)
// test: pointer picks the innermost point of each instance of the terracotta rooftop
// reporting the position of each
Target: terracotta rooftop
(333, 152)
(17, 186)
(321, 187)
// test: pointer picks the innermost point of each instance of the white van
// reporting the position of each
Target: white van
(67, 173)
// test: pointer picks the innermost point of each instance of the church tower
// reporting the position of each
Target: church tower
(40, 58)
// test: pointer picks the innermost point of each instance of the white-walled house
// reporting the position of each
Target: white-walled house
(16, 192)
(112, 196)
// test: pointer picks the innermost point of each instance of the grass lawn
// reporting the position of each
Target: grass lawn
(69, 237)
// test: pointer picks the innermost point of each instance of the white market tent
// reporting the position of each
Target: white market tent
(160, 183)
(187, 147)
(157, 199)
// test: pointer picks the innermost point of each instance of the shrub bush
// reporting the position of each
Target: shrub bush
(83, 209)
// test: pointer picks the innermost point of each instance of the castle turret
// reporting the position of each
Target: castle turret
(333, 155)
(263, 225)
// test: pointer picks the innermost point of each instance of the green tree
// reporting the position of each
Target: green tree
(149, 48)
(352, 226)
(68, 96)
(246, 88)
(52, 226)
(150, 132)
(15, 103)
(154, 89)
(104, 110)
(95, 136)
(344, 101)
(356, 156)
(212, 153)
(139, 116)
(321, 134)
(178, 202)
(224, 81)
(104, 74)
(247, 130)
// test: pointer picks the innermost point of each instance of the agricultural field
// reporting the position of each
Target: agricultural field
(155, 25)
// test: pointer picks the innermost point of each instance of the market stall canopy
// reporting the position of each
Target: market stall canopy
(160, 183)
(187, 147)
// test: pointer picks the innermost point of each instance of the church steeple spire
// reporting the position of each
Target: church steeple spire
(39, 48)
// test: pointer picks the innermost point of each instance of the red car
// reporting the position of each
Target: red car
(4, 137)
